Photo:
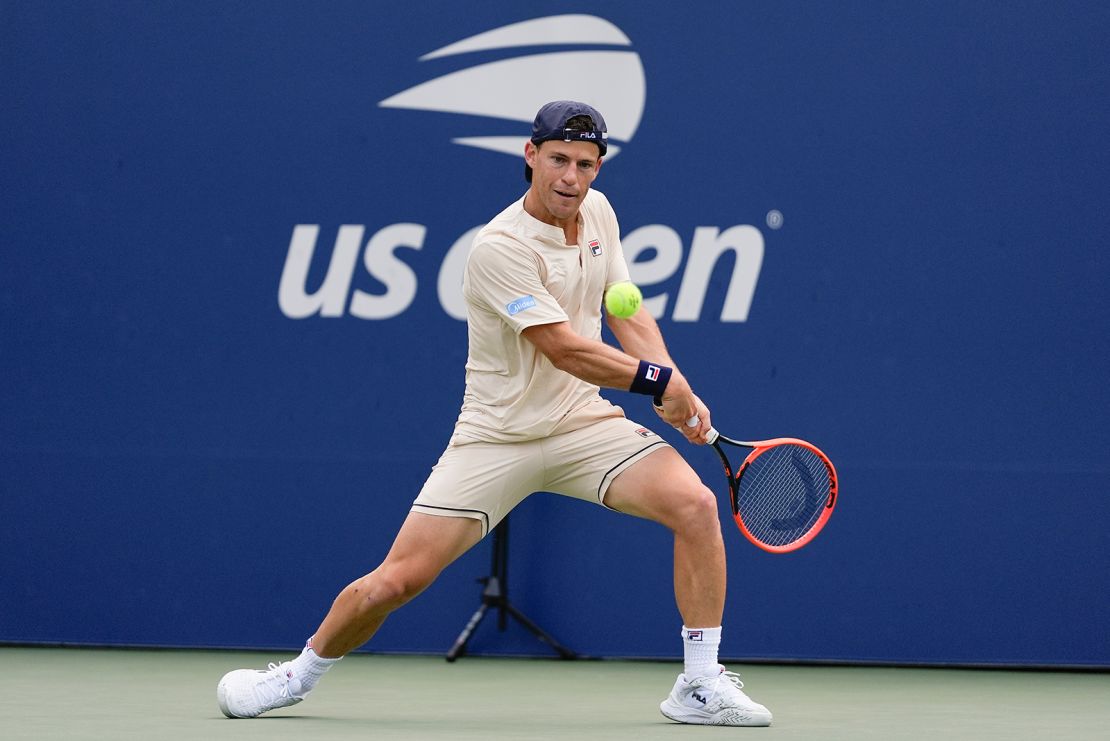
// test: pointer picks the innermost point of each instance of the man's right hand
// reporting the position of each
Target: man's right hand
(681, 405)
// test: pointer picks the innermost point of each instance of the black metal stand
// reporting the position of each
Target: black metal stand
(496, 594)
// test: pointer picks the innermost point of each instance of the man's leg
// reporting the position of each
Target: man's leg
(425, 545)
(662, 487)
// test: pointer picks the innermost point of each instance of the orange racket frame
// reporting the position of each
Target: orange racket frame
(758, 448)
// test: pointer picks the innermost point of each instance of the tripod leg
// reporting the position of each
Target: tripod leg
(459, 648)
(563, 651)
(496, 595)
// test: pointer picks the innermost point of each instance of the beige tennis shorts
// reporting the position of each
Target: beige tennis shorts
(484, 480)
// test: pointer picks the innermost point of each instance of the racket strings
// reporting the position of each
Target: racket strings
(782, 493)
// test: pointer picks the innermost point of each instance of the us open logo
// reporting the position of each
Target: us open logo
(597, 66)
(514, 89)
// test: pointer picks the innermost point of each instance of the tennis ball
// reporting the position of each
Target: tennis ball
(623, 300)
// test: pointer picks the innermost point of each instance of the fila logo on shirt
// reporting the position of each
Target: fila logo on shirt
(595, 248)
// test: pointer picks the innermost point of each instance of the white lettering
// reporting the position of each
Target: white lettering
(381, 263)
(449, 285)
(656, 268)
(329, 299)
(708, 246)
(654, 254)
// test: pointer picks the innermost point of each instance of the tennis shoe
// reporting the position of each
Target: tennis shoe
(718, 700)
(248, 693)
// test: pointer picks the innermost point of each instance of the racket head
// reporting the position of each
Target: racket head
(783, 493)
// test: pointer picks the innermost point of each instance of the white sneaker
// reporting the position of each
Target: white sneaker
(248, 693)
(714, 701)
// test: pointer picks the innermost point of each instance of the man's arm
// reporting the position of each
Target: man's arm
(639, 336)
(603, 365)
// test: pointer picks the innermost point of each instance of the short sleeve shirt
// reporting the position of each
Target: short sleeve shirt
(521, 273)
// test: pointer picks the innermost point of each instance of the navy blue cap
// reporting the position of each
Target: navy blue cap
(551, 124)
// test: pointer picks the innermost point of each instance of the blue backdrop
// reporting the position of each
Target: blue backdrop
(229, 353)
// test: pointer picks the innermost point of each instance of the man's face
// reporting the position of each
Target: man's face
(561, 176)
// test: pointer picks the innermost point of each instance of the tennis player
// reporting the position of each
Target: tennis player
(532, 420)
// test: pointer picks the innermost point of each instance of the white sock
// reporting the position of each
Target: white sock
(309, 668)
(700, 651)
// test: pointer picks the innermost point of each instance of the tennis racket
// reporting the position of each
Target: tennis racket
(782, 494)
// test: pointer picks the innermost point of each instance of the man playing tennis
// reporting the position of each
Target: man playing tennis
(532, 420)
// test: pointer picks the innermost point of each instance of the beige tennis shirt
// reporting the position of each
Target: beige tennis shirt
(521, 273)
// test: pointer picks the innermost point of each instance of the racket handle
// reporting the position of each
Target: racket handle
(710, 437)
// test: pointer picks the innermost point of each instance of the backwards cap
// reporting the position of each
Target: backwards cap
(551, 125)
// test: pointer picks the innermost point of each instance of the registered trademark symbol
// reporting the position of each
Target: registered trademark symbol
(774, 218)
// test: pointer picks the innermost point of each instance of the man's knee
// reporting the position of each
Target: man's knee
(700, 507)
(692, 509)
(389, 587)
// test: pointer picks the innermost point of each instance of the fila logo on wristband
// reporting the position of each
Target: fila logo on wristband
(650, 379)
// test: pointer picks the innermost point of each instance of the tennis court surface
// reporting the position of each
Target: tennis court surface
(68, 693)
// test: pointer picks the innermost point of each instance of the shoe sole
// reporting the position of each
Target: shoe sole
(728, 717)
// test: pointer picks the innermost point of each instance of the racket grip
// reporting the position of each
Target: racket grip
(712, 435)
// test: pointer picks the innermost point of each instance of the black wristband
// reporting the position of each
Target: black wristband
(651, 380)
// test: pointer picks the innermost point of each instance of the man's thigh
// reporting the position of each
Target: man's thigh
(481, 481)
(658, 487)
(425, 545)
(584, 463)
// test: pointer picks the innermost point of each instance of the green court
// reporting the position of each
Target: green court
(57, 693)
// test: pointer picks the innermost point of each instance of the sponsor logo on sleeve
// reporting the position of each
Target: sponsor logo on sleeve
(521, 304)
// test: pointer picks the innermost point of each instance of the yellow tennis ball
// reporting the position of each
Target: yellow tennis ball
(623, 300)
